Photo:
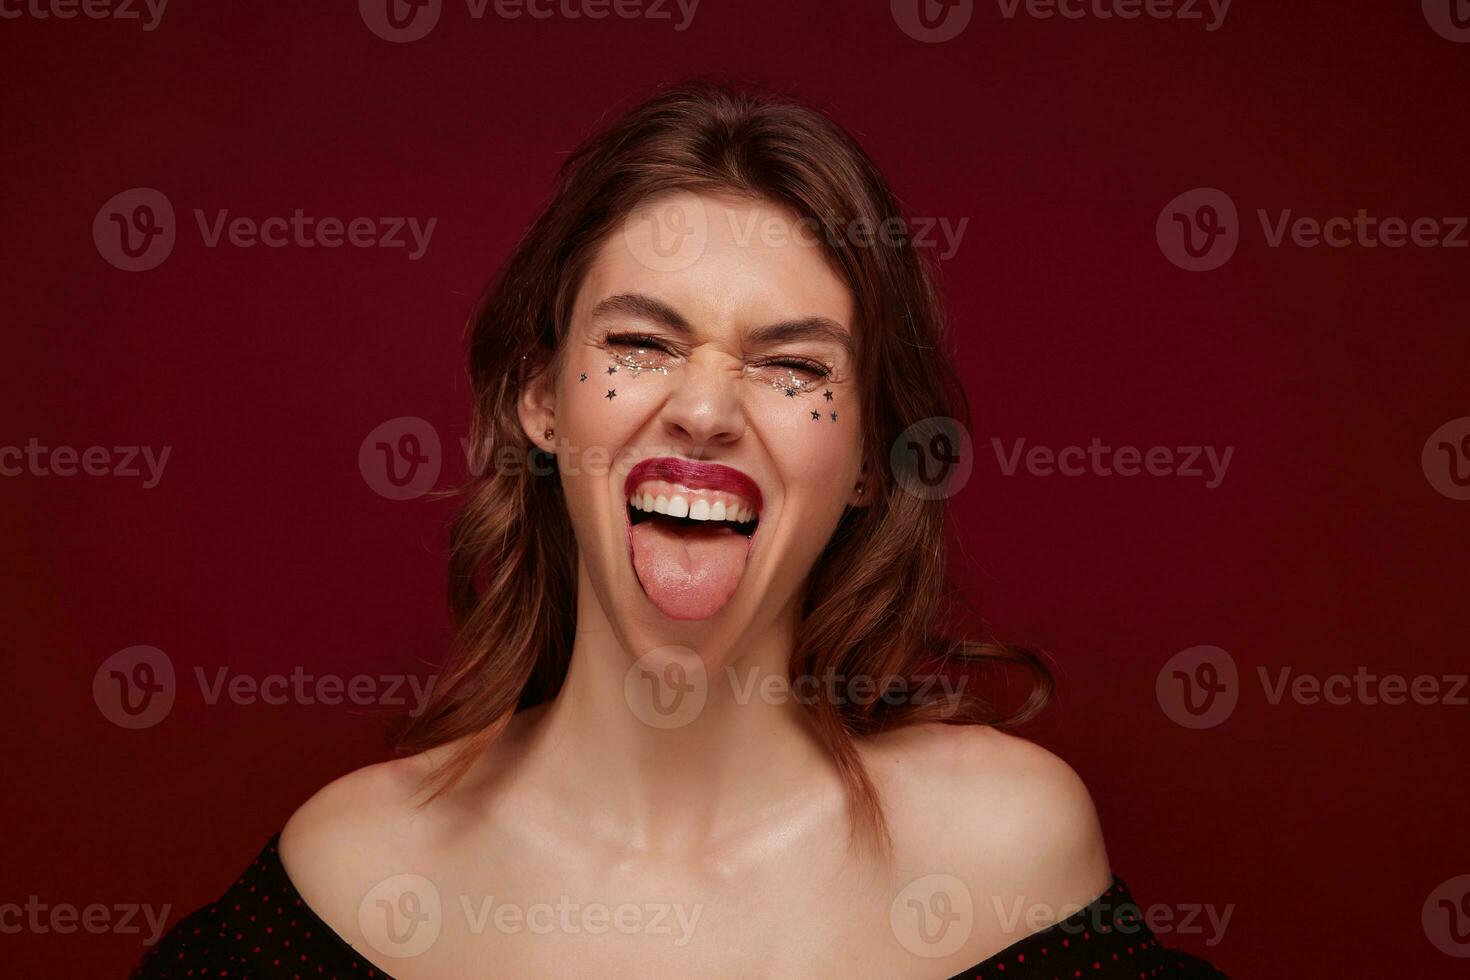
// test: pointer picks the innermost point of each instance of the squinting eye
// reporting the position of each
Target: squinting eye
(812, 369)
(637, 352)
(794, 377)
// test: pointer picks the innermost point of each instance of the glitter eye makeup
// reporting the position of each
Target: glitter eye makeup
(635, 354)
(637, 362)
(791, 385)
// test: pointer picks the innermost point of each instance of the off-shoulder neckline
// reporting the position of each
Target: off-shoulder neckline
(1116, 887)
(271, 855)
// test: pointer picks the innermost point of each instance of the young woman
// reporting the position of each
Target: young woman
(692, 728)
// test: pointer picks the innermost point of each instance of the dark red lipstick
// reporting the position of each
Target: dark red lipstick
(695, 476)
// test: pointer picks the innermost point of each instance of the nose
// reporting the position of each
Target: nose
(704, 409)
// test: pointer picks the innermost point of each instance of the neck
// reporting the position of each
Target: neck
(639, 762)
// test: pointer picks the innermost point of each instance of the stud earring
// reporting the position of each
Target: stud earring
(548, 433)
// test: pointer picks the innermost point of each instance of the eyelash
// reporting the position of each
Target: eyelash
(790, 362)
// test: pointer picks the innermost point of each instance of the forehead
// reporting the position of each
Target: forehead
(724, 263)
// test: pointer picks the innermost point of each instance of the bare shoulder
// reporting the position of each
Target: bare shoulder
(373, 823)
(992, 808)
(354, 832)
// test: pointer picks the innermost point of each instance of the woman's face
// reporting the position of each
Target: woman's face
(707, 379)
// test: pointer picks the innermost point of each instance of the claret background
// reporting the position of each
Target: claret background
(1206, 265)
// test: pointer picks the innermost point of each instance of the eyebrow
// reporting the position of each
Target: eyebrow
(816, 328)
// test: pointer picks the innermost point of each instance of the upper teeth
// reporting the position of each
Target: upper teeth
(697, 505)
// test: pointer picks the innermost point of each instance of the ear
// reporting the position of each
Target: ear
(536, 402)
(861, 494)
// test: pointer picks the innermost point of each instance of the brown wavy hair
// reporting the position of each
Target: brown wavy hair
(878, 590)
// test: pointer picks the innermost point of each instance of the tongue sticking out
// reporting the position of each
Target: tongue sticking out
(688, 572)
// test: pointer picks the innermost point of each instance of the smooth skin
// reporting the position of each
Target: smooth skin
(729, 833)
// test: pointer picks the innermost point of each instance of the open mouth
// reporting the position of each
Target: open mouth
(691, 527)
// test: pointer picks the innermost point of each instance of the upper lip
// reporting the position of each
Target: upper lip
(695, 476)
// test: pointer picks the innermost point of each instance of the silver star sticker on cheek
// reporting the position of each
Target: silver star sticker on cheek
(612, 393)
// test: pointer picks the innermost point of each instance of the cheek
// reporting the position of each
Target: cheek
(604, 403)
(813, 437)
(600, 414)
